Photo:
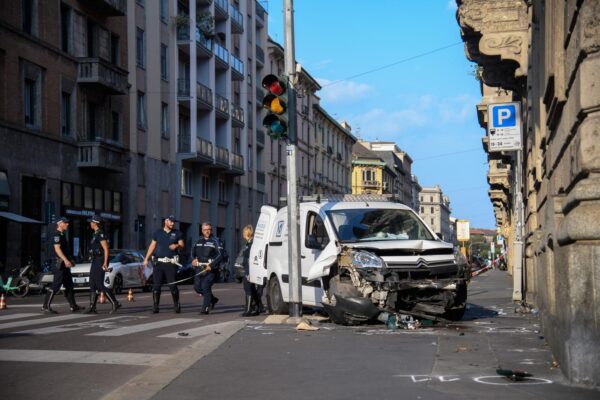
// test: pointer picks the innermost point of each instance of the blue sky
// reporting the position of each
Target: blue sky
(426, 104)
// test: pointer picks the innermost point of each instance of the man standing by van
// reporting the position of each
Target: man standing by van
(207, 255)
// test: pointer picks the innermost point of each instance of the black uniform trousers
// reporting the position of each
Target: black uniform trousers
(167, 270)
(97, 275)
(62, 277)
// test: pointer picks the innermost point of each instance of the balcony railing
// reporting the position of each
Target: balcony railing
(260, 55)
(203, 43)
(237, 19)
(237, 114)
(260, 14)
(222, 105)
(183, 142)
(221, 9)
(260, 138)
(98, 154)
(204, 94)
(371, 183)
(260, 95)
(237, 66)
(183, 88)
(101, 73)
(222, 54)
(204, 148)
(237, 162)
(108, 7)
(222, 155)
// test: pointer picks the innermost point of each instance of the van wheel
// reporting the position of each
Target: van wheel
(460, 304)
(274, 297)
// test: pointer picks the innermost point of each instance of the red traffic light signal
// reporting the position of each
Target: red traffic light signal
(276, 103)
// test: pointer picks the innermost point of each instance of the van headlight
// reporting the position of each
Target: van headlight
(459, 257)
(366, 260)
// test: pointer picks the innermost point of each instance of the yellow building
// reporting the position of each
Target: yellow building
(370, 173)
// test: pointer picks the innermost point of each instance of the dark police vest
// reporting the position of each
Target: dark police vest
(60, 238)
(96, 245)
(207, 249)
(164, 240)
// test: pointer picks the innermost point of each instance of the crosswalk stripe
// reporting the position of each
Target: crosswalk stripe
(143, 327)
(17, 316)
(82, 357)
(39, 321)
(199, 331)
(106, 323)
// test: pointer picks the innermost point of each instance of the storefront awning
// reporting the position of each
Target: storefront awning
(19, 218)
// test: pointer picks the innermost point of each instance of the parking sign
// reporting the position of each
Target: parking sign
(504, 126)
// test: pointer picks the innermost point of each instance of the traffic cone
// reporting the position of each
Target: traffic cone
(130, 295)
(102, 298)
(2, 302)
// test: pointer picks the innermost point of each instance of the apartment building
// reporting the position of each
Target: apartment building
(197, 66)
(63, 123)
(435, 211)
(370, 173)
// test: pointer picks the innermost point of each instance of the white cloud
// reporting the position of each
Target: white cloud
(345, 91)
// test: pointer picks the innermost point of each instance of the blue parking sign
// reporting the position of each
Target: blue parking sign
(504, 116)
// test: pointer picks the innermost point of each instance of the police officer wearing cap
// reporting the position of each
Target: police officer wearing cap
(99, 257)
(206, 255)
(165, 244)
(62, 269)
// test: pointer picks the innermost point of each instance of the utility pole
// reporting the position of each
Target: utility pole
(295, 280)
(518, 243)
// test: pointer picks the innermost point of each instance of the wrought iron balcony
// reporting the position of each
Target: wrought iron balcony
(203, 94)
(101, 155)
(101, 74)
(108, 8)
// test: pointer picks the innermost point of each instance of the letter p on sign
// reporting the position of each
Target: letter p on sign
(504, 116)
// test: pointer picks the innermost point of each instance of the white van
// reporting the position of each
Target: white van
(360, 256)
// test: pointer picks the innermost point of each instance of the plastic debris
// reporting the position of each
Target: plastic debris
(394, 321)
(514, 375)
(305, 325)
(183, 334)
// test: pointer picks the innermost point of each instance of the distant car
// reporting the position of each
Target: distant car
(125, 271)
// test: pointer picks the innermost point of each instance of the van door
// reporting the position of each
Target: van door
(260, 245)
(314, 239)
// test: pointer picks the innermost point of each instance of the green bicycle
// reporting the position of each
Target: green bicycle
(16, 284)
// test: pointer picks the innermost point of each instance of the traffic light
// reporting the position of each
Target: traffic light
(276, 121)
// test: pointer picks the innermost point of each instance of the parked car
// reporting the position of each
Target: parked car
(125, 271)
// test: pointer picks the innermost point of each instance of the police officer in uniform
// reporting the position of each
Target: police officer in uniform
(206, 255)
(99, 256)
(62, 269)
(166, 242)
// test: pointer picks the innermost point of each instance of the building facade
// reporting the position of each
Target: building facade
(435, 211)
(546, 55)
(64, 120)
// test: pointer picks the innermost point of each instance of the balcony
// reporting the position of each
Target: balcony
(237, 164)
(260, 95)
(203, 94)
(102, 156)
(260, 181)
(237, 20)
(222, 59)
(260, 55)
(222, 156)
(204, 45)
(221, 7)
(222, 107)
(102, 75)
(237, 68)
(237, 116)
(371, 184)
(260, 15)
(108, 8)
(260, 138)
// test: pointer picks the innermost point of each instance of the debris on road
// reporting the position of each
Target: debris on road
(395, 321)
(514, 375)
(306, 325)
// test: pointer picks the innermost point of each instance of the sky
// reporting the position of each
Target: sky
(396, 70)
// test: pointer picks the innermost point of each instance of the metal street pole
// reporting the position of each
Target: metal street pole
(518, 243)
(295, 281)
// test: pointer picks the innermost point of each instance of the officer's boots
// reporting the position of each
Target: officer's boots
(93, 301)
(176, 304)
(70, 295)
(248, 307)
(46, 308)
(213, 302)
(156, 299)
(113, 301)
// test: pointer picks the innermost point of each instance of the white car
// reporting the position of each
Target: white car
(125, 267)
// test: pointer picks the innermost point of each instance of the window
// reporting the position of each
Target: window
(164, 62)
(65, 28)
(88, 200)
(30, 103)
(164, 120)
(92, 42)
(432, 210)
(116, 202)
(141, 110)
(140, 46)
(93, 119)
(431, 199)
(107, 200)
(28, 16)
(116, 126)
(98, 197)
(422, 210)
(66, 194)
(316, 234)
(164, 10)
(65, 114)
(222, 192)
(186, 182)
(204, 187)
(115, 49)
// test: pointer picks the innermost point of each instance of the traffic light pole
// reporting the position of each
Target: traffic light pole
(295, 280)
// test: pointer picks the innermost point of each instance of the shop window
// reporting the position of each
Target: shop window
(67, 194)
(77, 196)
(98, 199)
(117, 202)
(88, 199)
(107, 200)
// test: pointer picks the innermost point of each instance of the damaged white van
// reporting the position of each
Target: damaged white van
(360, 256)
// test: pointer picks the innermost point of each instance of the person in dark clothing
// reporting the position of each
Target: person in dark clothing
(166, 242)
(99, 256)
(253, 302)
(207, 256)
(61, 269)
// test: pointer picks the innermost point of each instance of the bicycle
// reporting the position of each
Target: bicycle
(20, 287)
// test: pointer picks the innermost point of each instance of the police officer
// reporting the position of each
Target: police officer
(99, 257)
(206, 255)
(62, 269)
(166, 242)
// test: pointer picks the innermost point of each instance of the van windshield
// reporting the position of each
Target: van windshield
(358, 225)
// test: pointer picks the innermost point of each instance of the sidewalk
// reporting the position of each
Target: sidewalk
(456, 361)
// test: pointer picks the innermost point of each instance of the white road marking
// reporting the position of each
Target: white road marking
(40, 321)
(83, 357)
(143, 327)
(17, 316)
(200, 331)
(106, 323)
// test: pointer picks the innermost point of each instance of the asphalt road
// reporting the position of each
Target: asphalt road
(135, 354)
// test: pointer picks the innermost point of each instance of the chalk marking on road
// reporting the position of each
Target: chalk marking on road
(200, 331)
(427, 378)
(82, 357)
(40, 321)
(143, 327)
(106, 323)
(17, 316)
(525, 381)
